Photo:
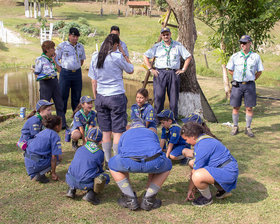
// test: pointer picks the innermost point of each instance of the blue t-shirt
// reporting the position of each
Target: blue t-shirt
(173, 135)
(46, 143)
(210, 152)
(146, 112)
(32, 126)
(80, 121)
(86, 165)
(139, 142)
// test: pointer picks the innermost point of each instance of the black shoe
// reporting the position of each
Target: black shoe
(106, 167)
(149, 203)
(91, 197)
(202, 201)
(65, 127)
(128, 202)
(74, 145)
(42, 178)
(71, 193)
(185, 161)
(223, 194)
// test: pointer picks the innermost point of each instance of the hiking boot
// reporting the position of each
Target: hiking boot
(106, 167)
(71, 193)
(74, 145)
(235, 130)
(202, 201)
(185, 161)
(99, 183)
(90, 196)
(128, 202)
(222, 194)
(42, 178)
(149, 203)
(248, 131)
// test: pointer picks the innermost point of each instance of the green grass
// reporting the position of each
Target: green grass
(255, 200)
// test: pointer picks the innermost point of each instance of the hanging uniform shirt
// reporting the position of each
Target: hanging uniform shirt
(139, 142)
(45, 67)
(83, 120)
(146, 112)
(32, 126)
(70, 55)
(173, 135)
(168, 57)
(245, 67)
(110, 77)
(212, 155)
(86, 165)
(40, 150)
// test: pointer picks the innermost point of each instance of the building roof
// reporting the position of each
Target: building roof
(138, 3)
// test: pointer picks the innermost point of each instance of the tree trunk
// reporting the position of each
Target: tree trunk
(189, 97)
(51, 12)
(35, 9)
(39, 8)
(26, 7)
(30, 9)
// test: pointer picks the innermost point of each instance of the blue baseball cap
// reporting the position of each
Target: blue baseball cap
(166, 114)
(94, 135)
(74, 31)
(245, 39)
(42, 103)
(137, 123)
(193, 117)
(86, 99)
(165, 29)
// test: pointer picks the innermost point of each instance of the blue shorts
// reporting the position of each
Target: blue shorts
(111, 112)
(85, 185)
(248, 91)
(177, 151)
(126, 165)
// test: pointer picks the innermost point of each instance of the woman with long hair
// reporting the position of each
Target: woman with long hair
(106, 72)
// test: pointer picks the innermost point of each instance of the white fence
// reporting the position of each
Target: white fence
(46, 34)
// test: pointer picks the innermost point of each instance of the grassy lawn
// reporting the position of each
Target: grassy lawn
(256, 199)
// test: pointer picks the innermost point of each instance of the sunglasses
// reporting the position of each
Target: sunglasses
(165, 34)
(244, 43)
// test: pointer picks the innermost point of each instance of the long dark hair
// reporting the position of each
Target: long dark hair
(106, 48)
(79, 107)
(32, 113)
(194, 129)
(144, 92)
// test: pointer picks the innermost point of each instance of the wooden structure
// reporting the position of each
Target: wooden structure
(138, 7)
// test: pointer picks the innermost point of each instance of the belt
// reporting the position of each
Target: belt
(166, 69)
(244, 83)
(71, 70)
(224, 163)
(146, 159)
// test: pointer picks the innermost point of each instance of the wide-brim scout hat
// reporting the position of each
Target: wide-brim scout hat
(74, 31)
(137, 123)
(245, 39)
(165, 29)
(166, 114)
(193, 117)
(42, 103)
(94, 134)
(86, 99)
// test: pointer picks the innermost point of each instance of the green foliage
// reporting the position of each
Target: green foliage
(83, 28)
(203, 71)
(162, 4)
(43, 21)
(58, 25)
(230, 19)
(222, 55)
(30, 29)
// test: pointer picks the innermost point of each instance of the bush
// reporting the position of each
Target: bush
(58, 25)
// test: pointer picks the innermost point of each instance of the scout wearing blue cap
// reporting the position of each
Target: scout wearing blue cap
(165, 29)
(74, 31)
(166, 114)
(86, 99)
(193, 117)
(137, 123)
(94, 135)
(42, 103)
(245, 39)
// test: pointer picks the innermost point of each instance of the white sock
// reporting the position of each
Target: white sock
(205, 192)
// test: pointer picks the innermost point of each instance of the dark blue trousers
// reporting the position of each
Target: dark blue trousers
(49, 89)
(69, 79)
(168, 81)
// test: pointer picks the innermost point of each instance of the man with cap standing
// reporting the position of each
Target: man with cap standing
(167, 54)
(72, 56)
(245, 67)
(122, 45)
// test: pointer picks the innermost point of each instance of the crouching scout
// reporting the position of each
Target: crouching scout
(85, 171)
(139, 152)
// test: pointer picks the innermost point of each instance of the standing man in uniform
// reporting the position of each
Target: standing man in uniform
(116, 30)
(245, 67)
(167, 54)
(72, 56)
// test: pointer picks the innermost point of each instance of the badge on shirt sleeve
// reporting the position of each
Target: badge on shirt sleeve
(77, 119)
(174, 135)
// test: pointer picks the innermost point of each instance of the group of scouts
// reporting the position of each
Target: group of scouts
(136, 146)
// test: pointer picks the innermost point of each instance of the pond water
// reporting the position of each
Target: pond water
(20, 89)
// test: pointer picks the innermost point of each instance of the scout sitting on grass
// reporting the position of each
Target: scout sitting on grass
(85, 171)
